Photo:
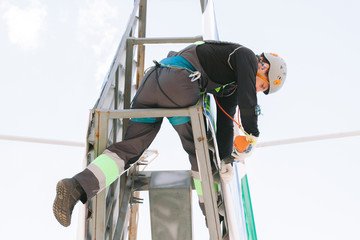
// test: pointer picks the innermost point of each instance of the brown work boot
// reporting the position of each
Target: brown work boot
(68, 193)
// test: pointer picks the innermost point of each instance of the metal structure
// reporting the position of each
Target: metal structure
(170, 196)
(111, 214)
(105, 226)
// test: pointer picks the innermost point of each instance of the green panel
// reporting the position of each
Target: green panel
(249, 216)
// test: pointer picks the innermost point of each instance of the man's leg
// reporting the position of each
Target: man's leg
(186, 136)
(184, 130)
(104, 170)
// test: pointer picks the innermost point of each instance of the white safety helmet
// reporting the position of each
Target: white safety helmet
(277, 72)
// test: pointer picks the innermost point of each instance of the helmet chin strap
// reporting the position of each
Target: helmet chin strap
(263, 78)
(262, 68)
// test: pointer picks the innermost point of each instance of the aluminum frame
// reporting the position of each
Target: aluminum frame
(197, 121)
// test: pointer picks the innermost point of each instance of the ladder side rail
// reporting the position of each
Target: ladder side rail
(140, 71)
(141, 47)
(128, 73)
(101, 133)
(108, 201)
(207, 181)
(114, 128)
(119, 58)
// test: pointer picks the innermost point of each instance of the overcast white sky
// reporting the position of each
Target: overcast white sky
(54, 56)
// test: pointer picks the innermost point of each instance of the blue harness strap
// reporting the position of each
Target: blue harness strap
(145, 120)
(178, 120)
(176, 61)
(173, 120)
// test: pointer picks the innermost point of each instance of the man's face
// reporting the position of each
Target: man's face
(262, 80)
(261, 85)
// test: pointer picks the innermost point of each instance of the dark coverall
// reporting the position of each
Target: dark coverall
(228, 71)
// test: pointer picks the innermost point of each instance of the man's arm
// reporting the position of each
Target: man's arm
(245, 64)
(225, 126)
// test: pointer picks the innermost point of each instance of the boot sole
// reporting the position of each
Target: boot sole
(61, 204)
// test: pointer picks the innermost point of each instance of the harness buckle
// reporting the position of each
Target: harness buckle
(157, 64)
(195, 76)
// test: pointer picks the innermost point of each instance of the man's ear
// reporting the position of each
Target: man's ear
(265, 66)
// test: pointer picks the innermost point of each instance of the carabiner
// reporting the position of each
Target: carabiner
(195, 76)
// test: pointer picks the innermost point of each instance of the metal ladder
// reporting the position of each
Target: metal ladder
(108, 215)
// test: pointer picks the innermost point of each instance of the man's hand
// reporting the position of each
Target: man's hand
(240, 156)
(226, 172)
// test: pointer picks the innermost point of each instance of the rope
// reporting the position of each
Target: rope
(42, 141)
(308, 139)
(261, 144)
(248, 136)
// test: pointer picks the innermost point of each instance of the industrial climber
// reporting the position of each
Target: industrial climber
(229, 71)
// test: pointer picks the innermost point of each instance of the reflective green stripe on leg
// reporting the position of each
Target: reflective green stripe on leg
(198, 187)
(108, 167)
